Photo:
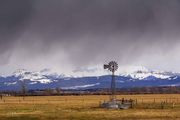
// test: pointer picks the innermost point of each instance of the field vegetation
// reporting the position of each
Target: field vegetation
(146, 107)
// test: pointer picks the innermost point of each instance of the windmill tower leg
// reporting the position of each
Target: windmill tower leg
(113, 87)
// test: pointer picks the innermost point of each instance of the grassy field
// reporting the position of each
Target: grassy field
(147, 107)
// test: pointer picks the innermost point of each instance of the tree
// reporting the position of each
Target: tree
(58, 90)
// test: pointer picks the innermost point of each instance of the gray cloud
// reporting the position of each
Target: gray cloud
(43, 33)
(13, 17)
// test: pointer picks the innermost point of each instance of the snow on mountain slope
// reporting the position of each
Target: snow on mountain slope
(32, 76)
(145, 74)
(49, 72)
(142, 73)
(82, 86)
(135, 72)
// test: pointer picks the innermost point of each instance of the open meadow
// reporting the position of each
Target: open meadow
(146, 107)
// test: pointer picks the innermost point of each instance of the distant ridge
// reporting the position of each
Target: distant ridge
(89, 78)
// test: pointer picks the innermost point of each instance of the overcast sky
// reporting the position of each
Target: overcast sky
(64, 35)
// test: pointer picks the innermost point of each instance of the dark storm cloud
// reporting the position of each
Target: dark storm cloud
(89, 31)
(13, 15)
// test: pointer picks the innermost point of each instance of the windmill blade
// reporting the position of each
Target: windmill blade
(113, 66)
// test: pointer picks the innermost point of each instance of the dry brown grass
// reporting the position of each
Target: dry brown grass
(86, 108)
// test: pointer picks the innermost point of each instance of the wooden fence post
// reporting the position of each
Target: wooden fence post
(173, 105)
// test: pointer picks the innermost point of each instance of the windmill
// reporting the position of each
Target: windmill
(115, 103)
(112, 66)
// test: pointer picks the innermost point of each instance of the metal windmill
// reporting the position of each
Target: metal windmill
(112, 66)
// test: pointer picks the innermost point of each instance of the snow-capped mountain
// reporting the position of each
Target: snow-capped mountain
(135, 72)
(143, 74)
(31, 76)
(88, 78)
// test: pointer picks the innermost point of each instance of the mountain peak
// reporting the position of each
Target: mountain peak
(142, 73)
(19, 72)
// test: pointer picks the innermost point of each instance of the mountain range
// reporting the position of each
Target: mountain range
(90, 78)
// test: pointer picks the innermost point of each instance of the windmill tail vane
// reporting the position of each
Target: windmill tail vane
(106, 66)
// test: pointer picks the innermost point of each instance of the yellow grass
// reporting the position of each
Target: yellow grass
(87, 108)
